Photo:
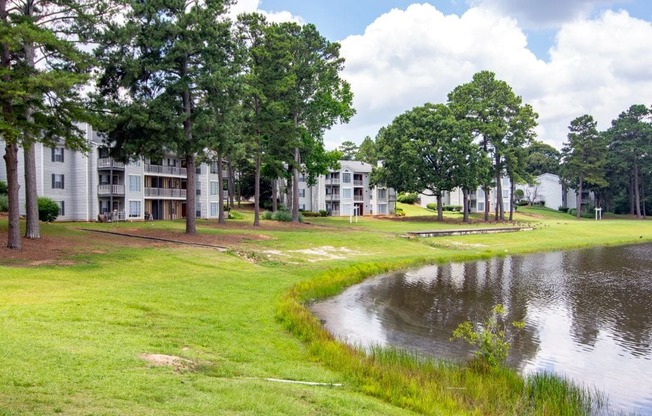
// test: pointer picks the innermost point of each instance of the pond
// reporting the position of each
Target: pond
(588, 314)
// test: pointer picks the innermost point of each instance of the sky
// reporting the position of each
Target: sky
(566, 58)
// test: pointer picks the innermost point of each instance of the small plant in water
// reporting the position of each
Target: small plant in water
(490, 339)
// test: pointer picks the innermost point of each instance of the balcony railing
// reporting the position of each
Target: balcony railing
(357, 183)
(104, 190)
(382, 197)
(333, 181)
(334, 197)
(165, 193)
(358, 198)
(166, 170)
(108, 163)
(335, 213)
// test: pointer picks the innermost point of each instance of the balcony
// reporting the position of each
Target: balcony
(109, 163)
(332, 181)
(335, 213)
(108, 190)
(358, 198)
(332, 197)
(357, 183)
(165, 193)
(166, 170)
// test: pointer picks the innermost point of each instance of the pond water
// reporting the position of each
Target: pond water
(588, 314)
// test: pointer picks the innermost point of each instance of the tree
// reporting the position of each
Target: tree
(423, 150)
(630, 142)
(583, 156)
(42, 72)
(541, 158)
(151, 80)
(349, 150)
(500, 122)
(367, 151)
(317, 99)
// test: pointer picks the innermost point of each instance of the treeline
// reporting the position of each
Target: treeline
(484, 133)
(168, 77)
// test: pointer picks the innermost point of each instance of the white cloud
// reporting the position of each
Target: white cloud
(250, 6)
(408, 57)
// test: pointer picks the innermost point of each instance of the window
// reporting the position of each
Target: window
(62, 208)
(214, 187)
(505, 193)
(346, 193)
(382, 193)
(134, 209)
(481, 206)
(214, 168)
(198, 210)
(346, 177)
(57, 181)
(198, 170)
(214, 209)
(198, 188)
(134, 183)
(302, 178)
(302, 193)
(57, 154)
(346, 209)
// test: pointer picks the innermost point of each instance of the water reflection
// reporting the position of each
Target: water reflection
(587, 314)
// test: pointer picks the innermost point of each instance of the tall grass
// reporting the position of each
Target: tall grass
(417, 383)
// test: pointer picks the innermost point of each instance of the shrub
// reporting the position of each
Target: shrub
(3, 188)
(408, 198)
(455, 208)
(432, 206)
(323, 213)
(267, 215)
(399, 212)
(280, 215)
(4, 203)
(523, 203)
(490, 338)
(48, 210)
(563, 209)
(310, 214)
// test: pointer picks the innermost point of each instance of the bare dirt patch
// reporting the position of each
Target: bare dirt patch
(161, 360)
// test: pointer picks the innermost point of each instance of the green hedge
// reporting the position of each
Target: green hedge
(407, 198)
(48, 210)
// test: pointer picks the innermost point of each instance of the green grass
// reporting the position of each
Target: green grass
(72, 336)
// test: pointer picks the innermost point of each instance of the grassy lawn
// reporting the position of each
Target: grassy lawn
(74, 336)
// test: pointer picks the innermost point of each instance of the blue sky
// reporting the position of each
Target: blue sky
(564, 57)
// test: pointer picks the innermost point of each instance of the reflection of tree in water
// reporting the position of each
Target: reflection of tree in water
(590, 285)
(611, 293)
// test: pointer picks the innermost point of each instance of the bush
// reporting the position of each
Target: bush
(323, 213)
(399, 212)
(310, 214)
(4, 203)
(280, 215)
(3, 188)
(523, 203)
(408, 198)
(490, 338)
(432, 206)
(48, 210)
(455, 208)
(562, 209)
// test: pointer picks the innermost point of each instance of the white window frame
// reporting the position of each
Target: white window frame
(135, 183)
(137, 212)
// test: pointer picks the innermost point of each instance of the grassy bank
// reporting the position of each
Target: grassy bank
(75, 332)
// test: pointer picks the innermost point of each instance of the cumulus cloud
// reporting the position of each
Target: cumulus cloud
(408, 57)
(548, 13)
(250, 6)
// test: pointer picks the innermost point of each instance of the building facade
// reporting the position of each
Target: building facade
(91, 185)
(346, 191)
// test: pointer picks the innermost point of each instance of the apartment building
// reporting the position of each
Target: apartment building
(476, 198)
(346, 192)
(91, 185)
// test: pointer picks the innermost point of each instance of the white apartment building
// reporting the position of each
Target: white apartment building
(476, 198)
(346, 191)
(87, 184)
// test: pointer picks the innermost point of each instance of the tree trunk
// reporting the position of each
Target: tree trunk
(465, 205)
(231, 183)
(440, 208)
(257, 191)
(632, 204)
(487, 189)
(295, 185)
(32, 225)
(191, 191)
(220, 185)
(274, 195)
(511, 198)
(637, 192)
(579, 200)
(13, 231)
(500, 209)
